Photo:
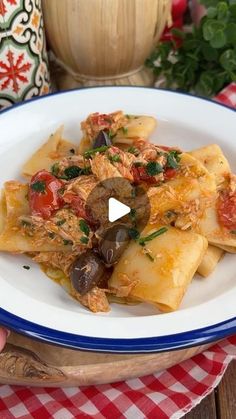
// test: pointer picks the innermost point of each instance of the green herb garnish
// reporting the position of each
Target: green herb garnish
(75, 171)
(233, 232)
(55, 169)
(66, 242)
(111, 134)
(153, 168)
(204, 59)
(133, 233)
(149, 256)
(142, 241)
(39, 186)
(173, 159)
(72, 172)
(132, 215)
(124, 130)
(84, 240)
(115, 158)
(61, 222)
(26, 267)
(133, 150)
(90, 153)
(84, 227)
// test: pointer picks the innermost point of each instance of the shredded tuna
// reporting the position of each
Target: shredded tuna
(59, 260)
(96, 299)
(97, 122)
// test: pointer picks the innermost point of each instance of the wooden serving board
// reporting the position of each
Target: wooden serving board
(25, 361)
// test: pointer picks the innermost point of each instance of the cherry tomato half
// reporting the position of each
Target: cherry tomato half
(227, 210)
(79, 207)
(44, 197)
(169, 173)
(140, 175)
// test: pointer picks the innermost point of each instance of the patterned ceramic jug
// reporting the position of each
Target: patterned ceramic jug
(23, 60)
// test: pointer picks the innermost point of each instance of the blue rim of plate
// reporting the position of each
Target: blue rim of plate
(139, 345)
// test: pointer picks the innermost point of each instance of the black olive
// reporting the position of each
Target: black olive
(102, 139)
(87, 271)
(113, 243)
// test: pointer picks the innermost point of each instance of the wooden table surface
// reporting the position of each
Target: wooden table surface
(221, 403)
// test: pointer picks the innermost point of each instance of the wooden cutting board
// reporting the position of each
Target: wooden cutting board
(25, 361)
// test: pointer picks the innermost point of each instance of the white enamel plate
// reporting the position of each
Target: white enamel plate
(34, 305)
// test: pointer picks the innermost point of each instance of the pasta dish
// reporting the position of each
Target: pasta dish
(182, 213)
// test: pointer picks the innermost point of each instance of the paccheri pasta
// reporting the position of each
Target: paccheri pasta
(57, 216)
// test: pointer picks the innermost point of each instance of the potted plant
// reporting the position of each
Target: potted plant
(201, 60)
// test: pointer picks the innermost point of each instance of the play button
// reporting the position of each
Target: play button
(116, 209)
(115, 204)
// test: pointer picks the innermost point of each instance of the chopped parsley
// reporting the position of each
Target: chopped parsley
(61, 222)
(26, 267)
(66, 242)
(233, 232)
(132, 215)
(39, 186)
(128, 116)
(55, 169)
(90, 153)
(154, 168)
(134, 233)
(84, 240)
(173, 159)
(133, 150)
(124, 130)
(72, 172)
(149, 256)
(115, 158)
(111, 134)
(142, 241)
(84, 227)
(72, 151)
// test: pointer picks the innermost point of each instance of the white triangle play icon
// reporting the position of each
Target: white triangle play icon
(116, 209)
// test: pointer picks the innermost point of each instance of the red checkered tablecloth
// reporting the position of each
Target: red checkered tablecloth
(166, 395)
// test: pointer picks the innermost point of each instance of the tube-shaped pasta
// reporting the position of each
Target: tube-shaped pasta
(11, 238)
(163, 281)
(214, 161)
(53, 149)
(210, 259)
